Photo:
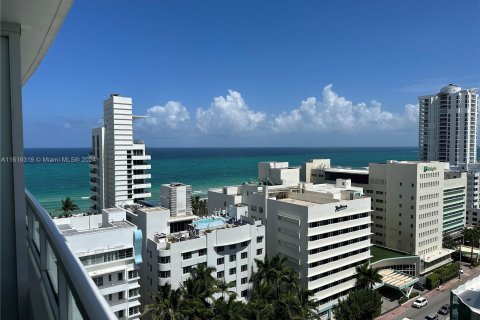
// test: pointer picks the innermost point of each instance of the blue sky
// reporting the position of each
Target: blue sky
(252, 73)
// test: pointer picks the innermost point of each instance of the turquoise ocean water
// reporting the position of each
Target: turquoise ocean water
(203, 168)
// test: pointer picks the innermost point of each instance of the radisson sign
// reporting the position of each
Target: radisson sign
(340, 208)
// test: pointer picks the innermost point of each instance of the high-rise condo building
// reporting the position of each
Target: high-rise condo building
(448, 125)
(118, 172)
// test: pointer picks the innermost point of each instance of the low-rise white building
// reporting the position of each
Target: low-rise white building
(230, 247)
(324, 231)
(109, 247)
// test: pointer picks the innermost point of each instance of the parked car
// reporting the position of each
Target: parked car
(419, 286)
(444, 309)
(420, 302)
(432, 316)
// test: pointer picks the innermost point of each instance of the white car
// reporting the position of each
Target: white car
(420, 302)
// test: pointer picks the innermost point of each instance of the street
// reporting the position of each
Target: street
(435, 299)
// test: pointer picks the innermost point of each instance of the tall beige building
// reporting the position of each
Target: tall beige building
(448, 125)
(408, 203)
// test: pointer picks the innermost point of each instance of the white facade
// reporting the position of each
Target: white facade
(228, 247)
(448, 125)
(109, 248)
(407, 199)
(177, 197)
(324, 231)
(472, 171)
(118, 172)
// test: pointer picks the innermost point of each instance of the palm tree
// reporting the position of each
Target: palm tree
(203, 208)
(471, 235)
(68, 205)
(223, 287)
(195, 204)
(367, 276)
(229, 308)
(448, 242)
(276, 293)
(167, 304)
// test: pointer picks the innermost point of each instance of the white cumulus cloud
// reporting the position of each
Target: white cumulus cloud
(228, 114)
(172, 116)
(335, 113)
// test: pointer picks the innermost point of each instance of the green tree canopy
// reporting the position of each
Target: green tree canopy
(361, 304)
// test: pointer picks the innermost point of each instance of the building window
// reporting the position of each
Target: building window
(98, 281)
(244, 243)
(120, 295)
(244, 268)
(232, 271)
(244, 280)
(220, 261)
(220, 274)
(109, 278)
(202, 252)
(120, 276)
(259, 252)
(132, 274)
(244, 293)
(120, 313)
(164, 259)
(187, 269)
(233, 258)
(220, 249)
(164, 274)
(233, 246)
(187, 255)
(109, 297)
(244, 255)
(259, 239)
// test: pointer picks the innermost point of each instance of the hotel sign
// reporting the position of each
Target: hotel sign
(340, 208)
(427, 168)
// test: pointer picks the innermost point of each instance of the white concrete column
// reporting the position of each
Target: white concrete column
(13, 235)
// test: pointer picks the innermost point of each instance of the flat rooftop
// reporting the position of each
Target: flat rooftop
(380, 253)
(68, 230)
(469, 293)
(348, 170)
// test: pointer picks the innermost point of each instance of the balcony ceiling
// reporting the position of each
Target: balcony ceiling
(39, 22)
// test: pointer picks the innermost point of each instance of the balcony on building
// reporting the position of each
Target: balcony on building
(41, 278)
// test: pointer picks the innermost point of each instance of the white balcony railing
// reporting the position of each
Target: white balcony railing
(67, 289)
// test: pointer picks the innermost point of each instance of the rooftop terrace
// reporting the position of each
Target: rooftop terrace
(380, 253)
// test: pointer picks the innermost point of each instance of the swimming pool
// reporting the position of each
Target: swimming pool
(208, 223)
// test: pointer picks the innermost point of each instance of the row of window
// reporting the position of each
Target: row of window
(220, 274)
(429, 184)
(429, 196)
(99, 280)
(429, 175)
(337, 245)
(333, 284)
(107, 257)
(329, 273)
(428, 223)
(332, 259)
(428, 205)
(131, 311)
(232, 258)
(428, 241)
(337, 232)
(337, 220)
(428, 214)
(234, 246)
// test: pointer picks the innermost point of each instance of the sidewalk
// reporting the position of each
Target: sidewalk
(448, 286)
